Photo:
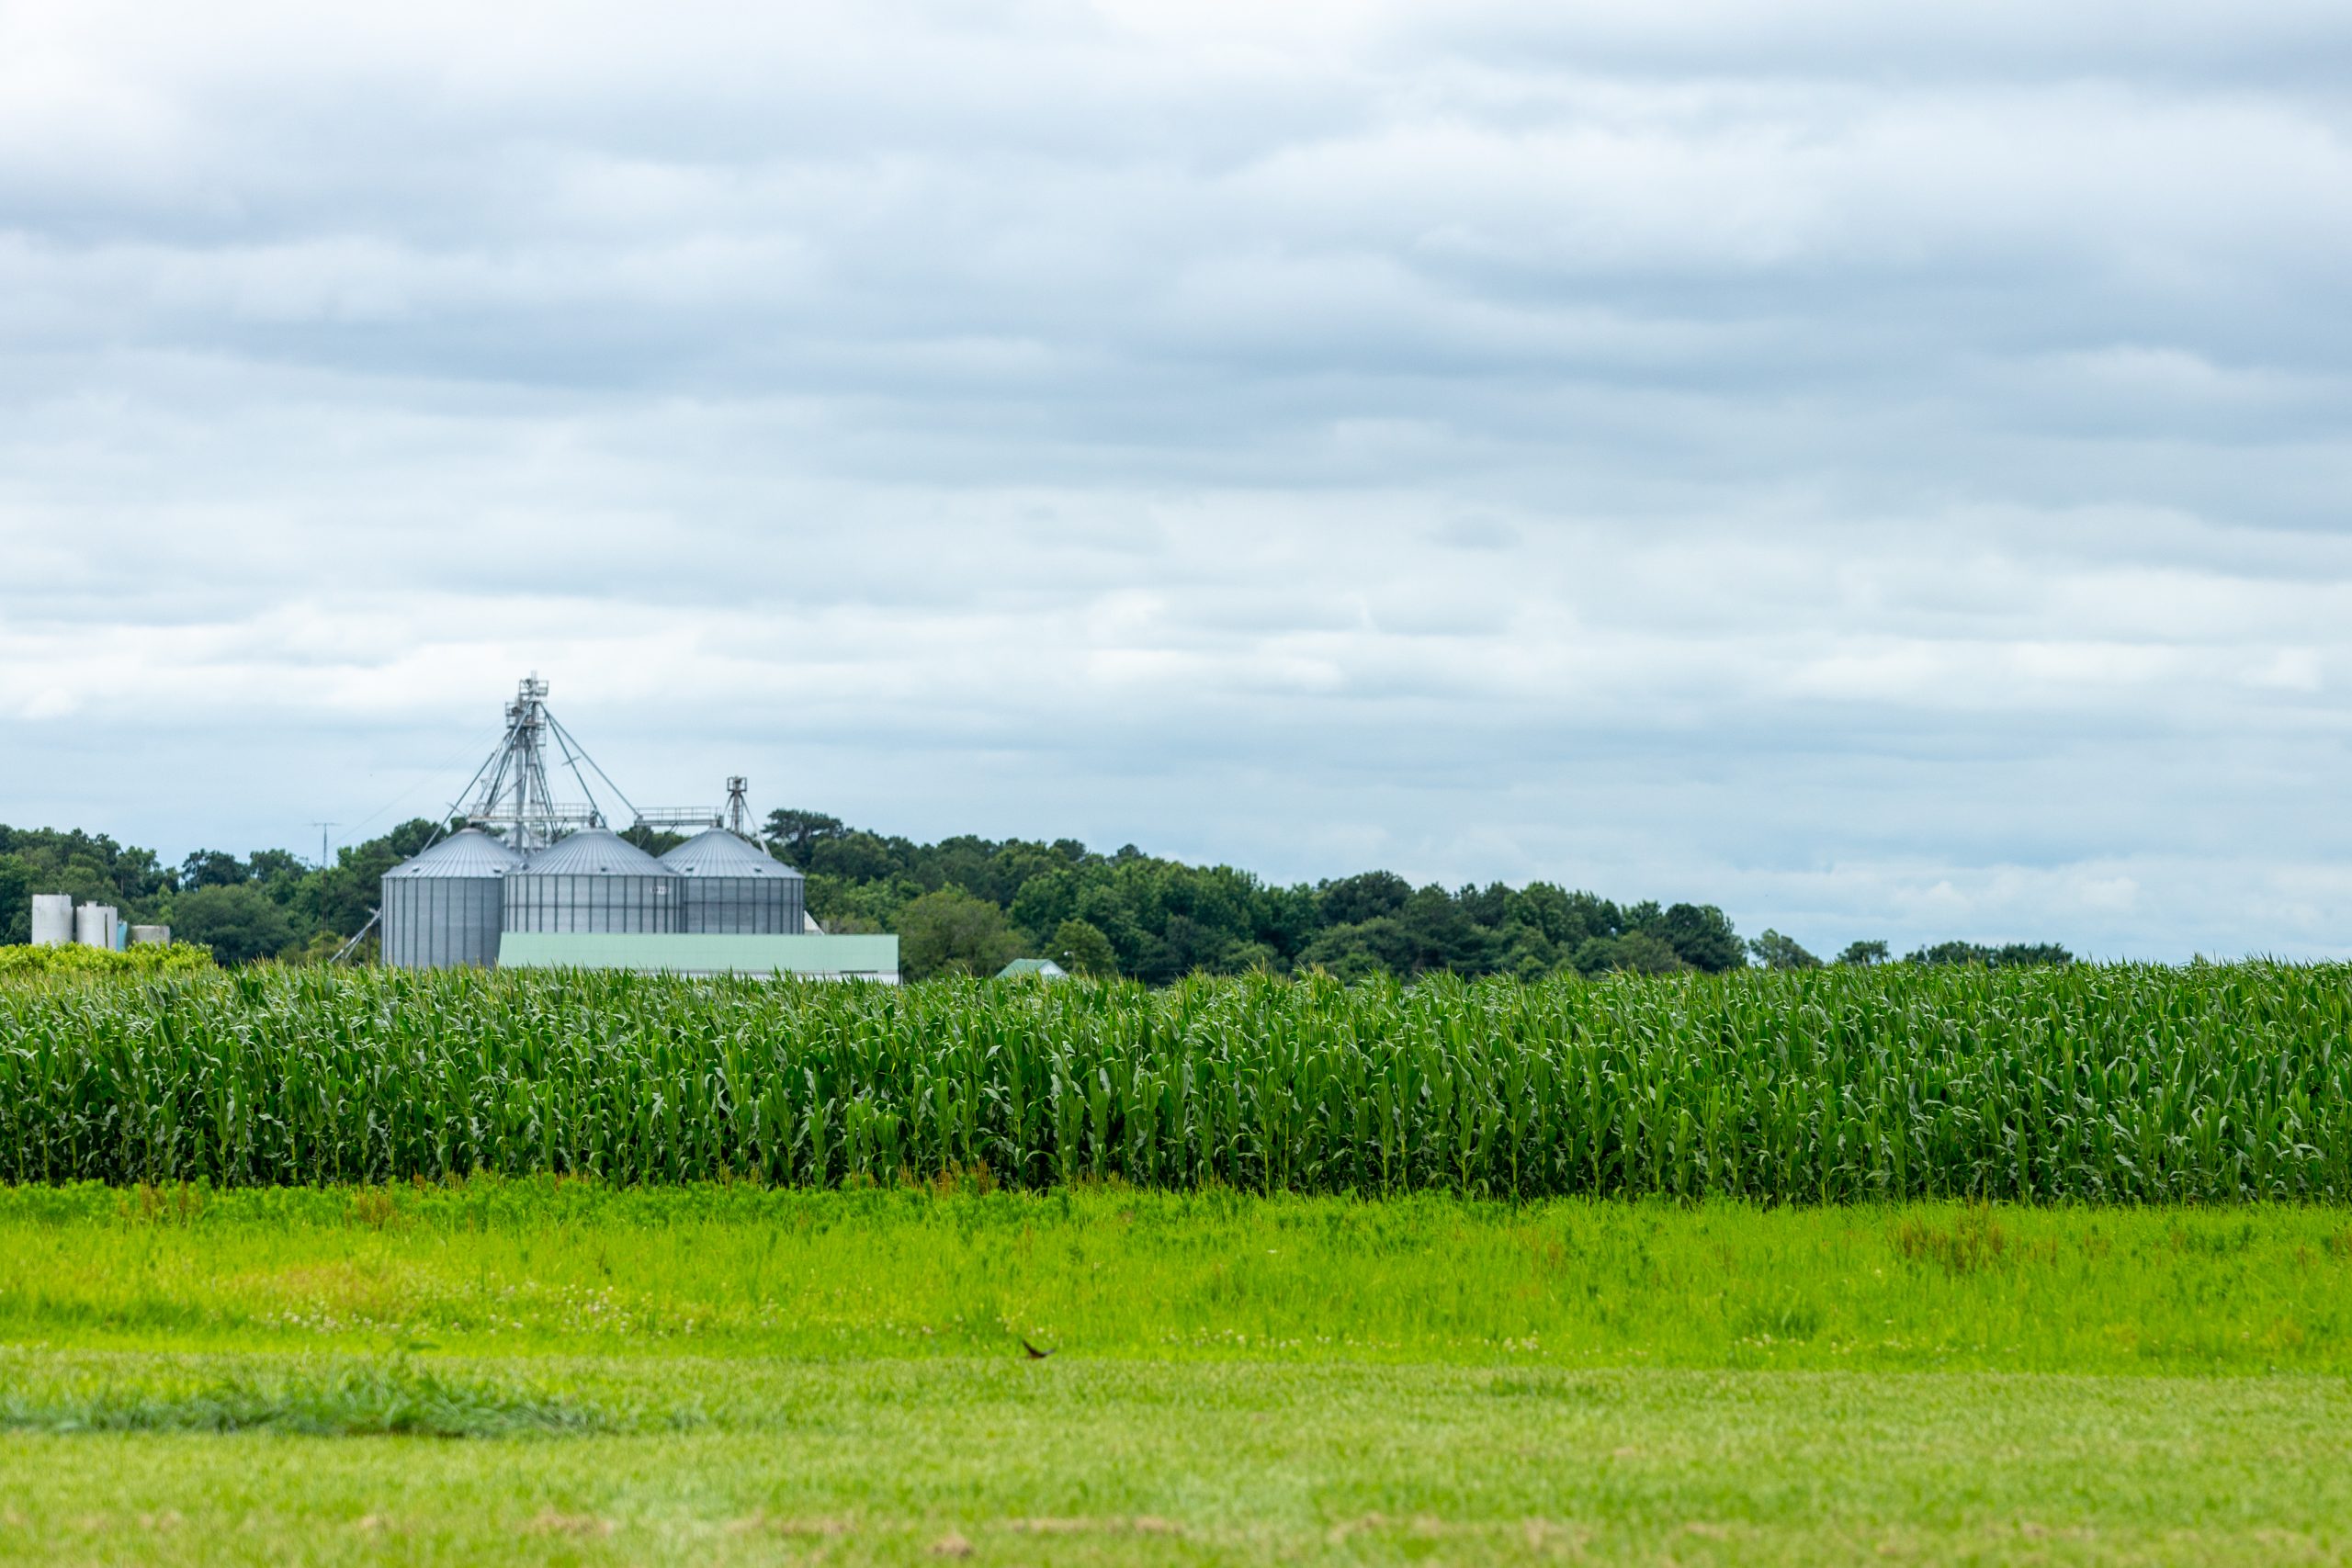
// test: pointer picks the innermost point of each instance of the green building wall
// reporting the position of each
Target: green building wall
(679, 953)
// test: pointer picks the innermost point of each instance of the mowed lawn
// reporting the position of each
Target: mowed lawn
(534, 1372)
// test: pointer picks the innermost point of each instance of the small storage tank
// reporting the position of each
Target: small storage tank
(93, 925)
(593, 881)
(729, 883)
(53, 919)
(446, 907)
(151, 936)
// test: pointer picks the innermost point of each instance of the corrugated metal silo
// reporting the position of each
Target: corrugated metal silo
(446, 907)
(593, 881)
(729, 884)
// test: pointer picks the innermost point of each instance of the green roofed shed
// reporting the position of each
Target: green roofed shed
(1043, 968)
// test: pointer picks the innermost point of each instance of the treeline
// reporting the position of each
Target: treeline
(969, 905)
(268, 904)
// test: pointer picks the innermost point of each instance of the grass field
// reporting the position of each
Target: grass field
(493, 1266)
(1132, 1463)
(542, 1371)
(571, 1270)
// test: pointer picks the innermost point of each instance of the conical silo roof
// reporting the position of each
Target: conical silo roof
(718, 853)
(594, 852)
(471, 853)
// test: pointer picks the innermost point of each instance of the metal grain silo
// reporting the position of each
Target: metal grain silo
(730, 885)
(446, 907)
(593, 881)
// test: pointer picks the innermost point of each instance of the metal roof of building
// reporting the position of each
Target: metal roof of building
(593, 852)
(718, 853)
(471, 853)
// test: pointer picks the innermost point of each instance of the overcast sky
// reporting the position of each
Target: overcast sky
(1885, 469)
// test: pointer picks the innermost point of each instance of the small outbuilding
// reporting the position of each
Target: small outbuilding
(1036, 968)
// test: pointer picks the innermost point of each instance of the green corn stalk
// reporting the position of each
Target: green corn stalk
(2088, 1084)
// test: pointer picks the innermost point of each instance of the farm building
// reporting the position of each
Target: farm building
(531, 882)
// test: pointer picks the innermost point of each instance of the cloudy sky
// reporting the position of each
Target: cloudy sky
(1883, 469)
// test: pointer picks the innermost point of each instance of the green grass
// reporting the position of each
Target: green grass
(1075, 1460)
(544, 1371)
(2214, 1083)
(493, 1266)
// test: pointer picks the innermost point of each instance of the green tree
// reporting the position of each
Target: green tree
(2032, 953)
(792, 833)
(843, 906)
(1568, 919)
(1367, 895)
(1862, 954)
(655, 841)
(951, 933)
(278, 872)
(2015, 954)
(16, 901)
(1447, 934)
(858, 857)
(1950, 952)
(1082, 949)
(240, 923)
(1377, 947)
(2009, 955)
(1776, 951)
(320, 947)
(1701, 937)
(340, 897)
(1048, 900)
(1528, 954)
(1636, 951)
(212, 868)
(90, 866)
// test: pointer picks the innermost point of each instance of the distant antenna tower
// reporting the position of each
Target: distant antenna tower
(738, 809)
(323, 828)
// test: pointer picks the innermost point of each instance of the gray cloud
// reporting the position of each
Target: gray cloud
(1882, 469)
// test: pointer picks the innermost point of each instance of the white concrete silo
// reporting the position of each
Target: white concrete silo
(93, 925)
(53, 919)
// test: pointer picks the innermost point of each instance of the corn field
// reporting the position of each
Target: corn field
(2091, 1083)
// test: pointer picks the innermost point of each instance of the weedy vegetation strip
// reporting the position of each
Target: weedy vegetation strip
(2091, 1083)
(20, 962)
(317, 1396)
